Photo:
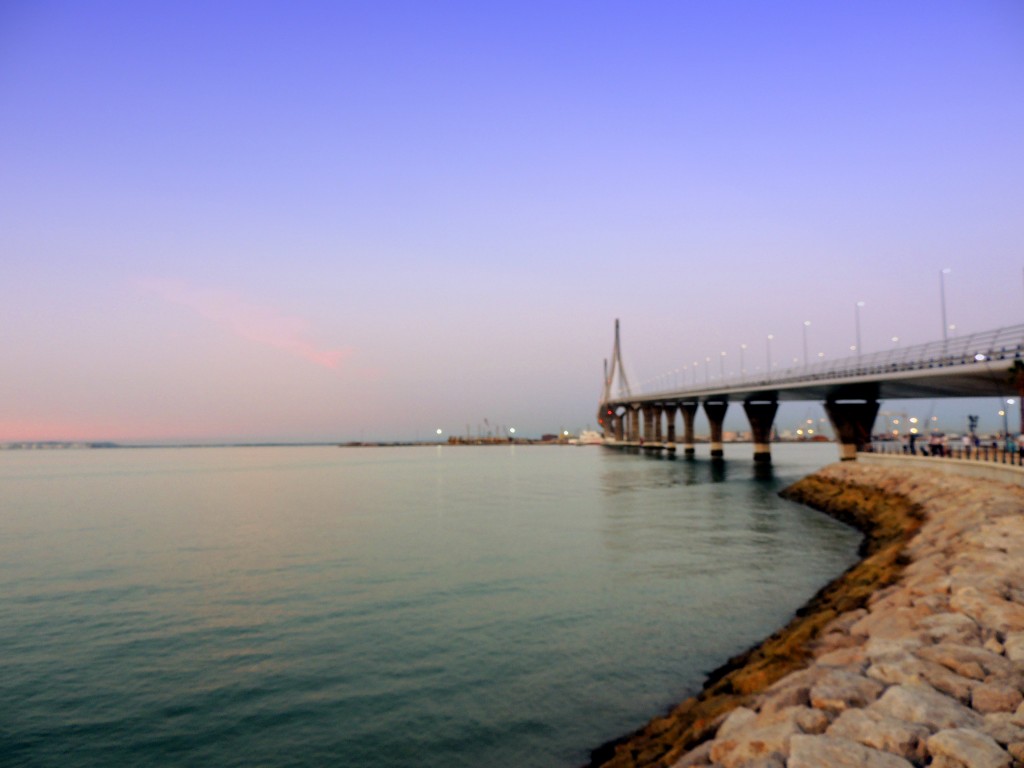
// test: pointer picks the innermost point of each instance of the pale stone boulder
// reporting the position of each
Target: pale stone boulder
(1013, 647)
(951, 627)
(698, 756)
(736, 721)
(995, 697)
(839, 690)
(967, 661)
(765, 737)
(969, 747)
(888, 624)
(873, 729)
(852, 658)
(924, 705)
(819, 751)
(791, 691)
(989, 609)
(909, 669)
(1000, 726)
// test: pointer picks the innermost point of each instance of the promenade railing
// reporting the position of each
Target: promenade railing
(996, 453)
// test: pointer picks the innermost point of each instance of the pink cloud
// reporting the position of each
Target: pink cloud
(260, 324)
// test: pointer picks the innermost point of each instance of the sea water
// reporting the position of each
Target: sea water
(428, 606)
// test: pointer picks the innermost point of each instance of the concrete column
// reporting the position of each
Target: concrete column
(648, 424)
(634, 428)
(715, 410)
(659, 437)
(761, 414)
(852, 420)
(670, 419)
(688, 410)
(619, 418)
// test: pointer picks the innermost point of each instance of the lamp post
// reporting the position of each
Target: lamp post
(768, 354)
(707, 369)
(856, 313)
(743, 370)
(1006, 426)
(807, 324)
(721, 365)
(942, 298)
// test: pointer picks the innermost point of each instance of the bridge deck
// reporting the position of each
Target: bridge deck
(979, 365)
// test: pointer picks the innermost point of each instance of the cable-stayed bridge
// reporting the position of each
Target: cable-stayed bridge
(978, 365)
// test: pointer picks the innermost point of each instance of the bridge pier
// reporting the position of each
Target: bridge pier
(670, 418)
(648, 411)
(761, 414)
(688, 410)
(659, 437)
(619, 419)
(715, 410)
(852, 421)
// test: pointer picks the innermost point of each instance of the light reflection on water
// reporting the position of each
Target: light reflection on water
(381, 607)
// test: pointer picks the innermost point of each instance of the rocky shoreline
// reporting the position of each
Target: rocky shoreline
(913, 657)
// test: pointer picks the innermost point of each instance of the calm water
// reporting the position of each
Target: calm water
(505, 606)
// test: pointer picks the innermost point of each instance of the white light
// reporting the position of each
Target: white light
(565, 432)
(979, 357)
(439, 431)
(1010, 401)
(512, 430)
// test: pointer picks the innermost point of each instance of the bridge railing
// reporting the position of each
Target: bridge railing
(1003, 344)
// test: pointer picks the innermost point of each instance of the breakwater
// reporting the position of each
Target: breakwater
(913, 657)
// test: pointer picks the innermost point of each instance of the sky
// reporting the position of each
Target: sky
(333, 221)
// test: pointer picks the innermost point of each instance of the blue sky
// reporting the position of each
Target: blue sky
(344, 221)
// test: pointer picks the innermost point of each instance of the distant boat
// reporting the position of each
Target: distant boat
(590, 437)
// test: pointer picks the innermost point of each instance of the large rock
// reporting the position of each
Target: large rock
(873, 729)
(995, 697)
(698, 756)
(839, 690)
(908, 669)
(820, 751)
(1014, 647)
(989, 609)
(924, 705)
(1000, 726)
(967, 661)
(737, 720)
(765, 737)
(951, 627)
(969, 747)
(888, 624)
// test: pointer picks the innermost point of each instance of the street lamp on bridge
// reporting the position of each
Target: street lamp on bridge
(856, 309)
(942, 298)
(768, 354)
(743, 370)
(807, 324)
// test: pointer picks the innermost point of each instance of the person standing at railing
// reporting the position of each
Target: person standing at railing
(965, 441)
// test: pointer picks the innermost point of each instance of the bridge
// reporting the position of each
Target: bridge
(978, 365)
